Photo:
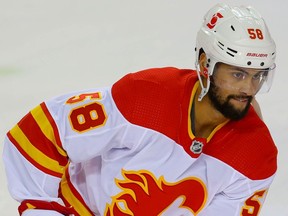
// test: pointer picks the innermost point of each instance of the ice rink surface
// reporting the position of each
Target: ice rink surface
(53, 47)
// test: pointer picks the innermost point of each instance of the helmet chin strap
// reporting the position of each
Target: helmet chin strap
(204, 90)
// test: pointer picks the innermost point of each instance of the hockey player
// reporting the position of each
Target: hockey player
(162, 141)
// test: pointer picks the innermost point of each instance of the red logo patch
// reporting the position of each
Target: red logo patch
(214, 20)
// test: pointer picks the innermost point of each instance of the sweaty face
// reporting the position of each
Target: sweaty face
(233, 88)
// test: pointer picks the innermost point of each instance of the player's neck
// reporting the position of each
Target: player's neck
(206, 117)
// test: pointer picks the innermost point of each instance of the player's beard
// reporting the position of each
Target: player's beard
(225, 107)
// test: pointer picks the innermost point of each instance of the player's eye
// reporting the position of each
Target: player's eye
(239, 75)
(259, 75)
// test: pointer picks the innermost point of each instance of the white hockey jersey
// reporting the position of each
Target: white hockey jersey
(129, 150)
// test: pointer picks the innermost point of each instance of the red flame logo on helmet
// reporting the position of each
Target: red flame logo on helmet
(214, 20)
(142, 194)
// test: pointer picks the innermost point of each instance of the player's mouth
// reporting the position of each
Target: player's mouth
(241, 99)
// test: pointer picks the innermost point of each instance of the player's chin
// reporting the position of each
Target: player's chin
(236, 114)
(239, 108)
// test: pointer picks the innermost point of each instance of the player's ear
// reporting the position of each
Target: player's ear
(203, 62)
(203, 67)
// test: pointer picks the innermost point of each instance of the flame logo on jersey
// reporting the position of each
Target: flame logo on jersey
(142, 194)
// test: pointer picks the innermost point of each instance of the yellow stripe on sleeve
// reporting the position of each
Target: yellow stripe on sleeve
(38, 156)
(45, 126)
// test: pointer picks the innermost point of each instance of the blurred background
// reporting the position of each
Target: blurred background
(48, 48)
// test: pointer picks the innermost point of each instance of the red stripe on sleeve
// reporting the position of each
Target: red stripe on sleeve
(31, 160)
(44, 205)
(33, 132)
(53, 124)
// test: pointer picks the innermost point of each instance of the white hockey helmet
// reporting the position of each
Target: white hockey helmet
(236, 36)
